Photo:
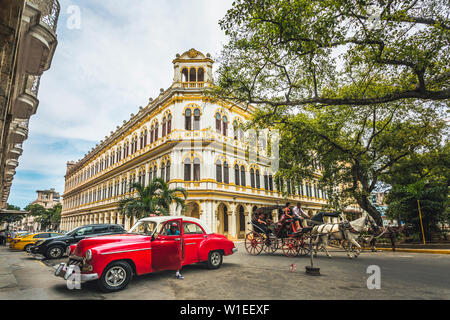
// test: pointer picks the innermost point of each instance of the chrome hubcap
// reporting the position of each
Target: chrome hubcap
(55, 252)
(215, 258)
(115, 276)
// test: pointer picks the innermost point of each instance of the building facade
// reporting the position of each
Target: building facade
(192, 142)
(47, 198)
(27, 45)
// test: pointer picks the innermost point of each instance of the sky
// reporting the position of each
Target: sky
(112, 56)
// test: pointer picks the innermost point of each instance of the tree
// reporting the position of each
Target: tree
(357, 94)
(433, 196)
(153, 199)
(423, 177)
(356, 147)
(35, 209)
(336, 52)
(11, 218)
(47, 218)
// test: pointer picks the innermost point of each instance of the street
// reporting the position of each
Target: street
(244, 277)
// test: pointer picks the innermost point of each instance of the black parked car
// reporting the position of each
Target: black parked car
(54, 248)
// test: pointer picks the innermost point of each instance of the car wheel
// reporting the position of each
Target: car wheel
(28, 247)
(116, 276)
(54, 252)
(214, 259)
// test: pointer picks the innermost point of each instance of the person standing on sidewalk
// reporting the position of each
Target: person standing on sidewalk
(2, 237)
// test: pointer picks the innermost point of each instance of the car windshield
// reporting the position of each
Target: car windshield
(73, 231)
(144, 227)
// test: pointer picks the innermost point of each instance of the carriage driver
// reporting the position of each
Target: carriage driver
(298, 215)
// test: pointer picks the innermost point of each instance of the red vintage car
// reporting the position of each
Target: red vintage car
(148, 247)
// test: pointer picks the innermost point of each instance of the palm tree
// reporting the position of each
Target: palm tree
(153, 199)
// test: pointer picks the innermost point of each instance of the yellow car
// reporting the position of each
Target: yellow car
(27, 241)
(19, 234)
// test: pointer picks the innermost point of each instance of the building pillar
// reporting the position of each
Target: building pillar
(232, 222)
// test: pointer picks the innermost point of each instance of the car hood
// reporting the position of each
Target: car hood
(110, 242)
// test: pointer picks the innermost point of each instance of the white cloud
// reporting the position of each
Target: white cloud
(103, 72)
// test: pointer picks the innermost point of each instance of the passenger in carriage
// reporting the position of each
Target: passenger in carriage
(262, 223)
(287, 214)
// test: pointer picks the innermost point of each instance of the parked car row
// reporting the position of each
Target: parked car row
(106, 253)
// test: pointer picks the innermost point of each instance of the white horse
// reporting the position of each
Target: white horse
(349, 232)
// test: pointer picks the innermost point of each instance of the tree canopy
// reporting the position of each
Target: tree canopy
(355, 85)
(155, 198)
(335, 52)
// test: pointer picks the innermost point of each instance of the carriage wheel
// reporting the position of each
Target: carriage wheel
(253, 243)
(303, 248)
(270, 245)
(290, 247)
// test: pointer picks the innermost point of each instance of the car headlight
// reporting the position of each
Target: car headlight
(88, 254)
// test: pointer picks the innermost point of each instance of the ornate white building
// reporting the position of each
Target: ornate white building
(192, 142)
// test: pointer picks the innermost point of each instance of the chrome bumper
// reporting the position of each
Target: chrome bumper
(64, 271)
(234, 250)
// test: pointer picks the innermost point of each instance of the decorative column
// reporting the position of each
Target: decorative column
(232, 221)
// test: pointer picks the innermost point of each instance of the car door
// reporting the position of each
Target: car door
(167, 249)
(193, 236)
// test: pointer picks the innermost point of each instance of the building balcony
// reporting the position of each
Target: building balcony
(18, 132)
(194, 85)
(41, 17)
(26, 103)
(15, 151)
(11, 164)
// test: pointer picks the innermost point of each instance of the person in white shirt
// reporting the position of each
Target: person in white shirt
(299, 213)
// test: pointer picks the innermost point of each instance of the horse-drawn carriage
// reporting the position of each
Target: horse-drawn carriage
(281, 235)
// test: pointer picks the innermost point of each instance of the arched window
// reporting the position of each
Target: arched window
(241, 219)
(156, 131)
(145, 137)
(270, 182)
(226, 173)
(163, 171)
(164, 126)
(218, 171)
(196, 169)
(150, 175)
(258, 182)
(192, 75)
(252, 178)
(243, 176)
(169, 123)
(152, 129)
(155, 172)
(235, 130)
(141, 140)
(168, 171)
(218, 122)
(197, 119)
(266, 182)
(187, 119)
(225, 125)
(201, 75)
(236, 174)
(225, 219)
(184, 75)
(187, 169)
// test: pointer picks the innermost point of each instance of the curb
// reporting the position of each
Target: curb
(413, 250)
